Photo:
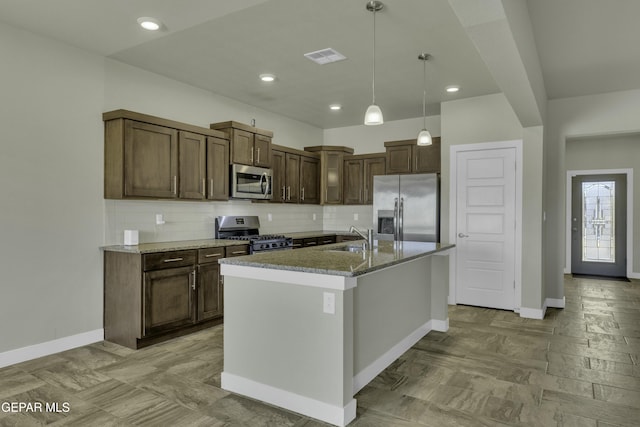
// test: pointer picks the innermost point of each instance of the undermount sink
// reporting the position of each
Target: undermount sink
(348, 248)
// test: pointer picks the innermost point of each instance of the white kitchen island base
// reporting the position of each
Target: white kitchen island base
(308, 341)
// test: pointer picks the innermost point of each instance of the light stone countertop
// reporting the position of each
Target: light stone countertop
(330, 260)
(144, 248)
(318, 233)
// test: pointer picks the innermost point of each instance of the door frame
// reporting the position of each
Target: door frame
(567, 209)
(453, 209)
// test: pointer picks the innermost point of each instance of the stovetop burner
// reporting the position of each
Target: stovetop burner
(246, 229)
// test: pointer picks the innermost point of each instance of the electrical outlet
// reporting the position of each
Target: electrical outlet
(355, 216)
(314, 217)
(269, 217)
(329, 303)
(159, 219)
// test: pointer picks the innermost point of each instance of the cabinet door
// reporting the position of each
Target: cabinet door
(399, 159)
(192, 149)
(168, 299)
(292, 178)
(309, 179)
(331, 179)
(353, 184)
(209, 291)
(278, 164)
(262, 151)
(372, 167)
(242, 147)
(426, 159)
(217, 168)
(150, 160)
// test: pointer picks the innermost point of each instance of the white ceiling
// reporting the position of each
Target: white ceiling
(584, 47)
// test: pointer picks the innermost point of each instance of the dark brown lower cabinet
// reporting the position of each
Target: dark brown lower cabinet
(209, 284)
(168, 299)
(149, 298)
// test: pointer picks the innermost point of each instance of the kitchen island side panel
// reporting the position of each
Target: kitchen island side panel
(278, 335)
(390, 306)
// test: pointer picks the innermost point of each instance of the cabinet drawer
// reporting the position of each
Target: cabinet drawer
(310, 241)
(237, 250)
(326, 240)
(210, 255)
(160, 260)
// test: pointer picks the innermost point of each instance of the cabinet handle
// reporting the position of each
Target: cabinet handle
(204, 187)
(289, 193)
(193, 285)
(251, 156)
(211, 188)
(239, 253)
(173, 259)
(175, 185)
(284, 193)
(326, 194)
(212, 255)
(311, 243)
(302, 194)
(258, 154)
(416, 169)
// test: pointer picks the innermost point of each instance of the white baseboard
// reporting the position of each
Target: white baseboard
(440, 325)
(532, 313)
(336, 415)
(365, 376)
(451, 300)
(633, 275)
(554, 302)
(23, 354)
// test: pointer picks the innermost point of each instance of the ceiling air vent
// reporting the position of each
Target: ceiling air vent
(325, 56)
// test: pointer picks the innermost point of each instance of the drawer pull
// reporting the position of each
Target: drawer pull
(172, 259)
(212, 255)
(238, 252)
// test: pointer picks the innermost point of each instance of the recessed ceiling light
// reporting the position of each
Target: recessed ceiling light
(335, 107)
(452, 89)
(267, 77)
(148, 23)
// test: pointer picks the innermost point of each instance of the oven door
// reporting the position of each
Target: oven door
(249, 182)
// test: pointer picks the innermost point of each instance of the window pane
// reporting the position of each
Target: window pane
(598, 227)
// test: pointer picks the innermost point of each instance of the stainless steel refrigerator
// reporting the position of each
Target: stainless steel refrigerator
(406, 207)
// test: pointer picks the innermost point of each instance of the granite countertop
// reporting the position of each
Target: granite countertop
(144, 248)
(330, 260)
(319, 233)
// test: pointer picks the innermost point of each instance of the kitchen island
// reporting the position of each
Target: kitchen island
(307, 329)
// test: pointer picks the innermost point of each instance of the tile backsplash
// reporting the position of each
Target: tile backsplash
(195, 220)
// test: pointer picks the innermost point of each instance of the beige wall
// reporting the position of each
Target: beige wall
(491, 119)
(585, 116)
(611, 152)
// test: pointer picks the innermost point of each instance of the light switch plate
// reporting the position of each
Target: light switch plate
(329, 303)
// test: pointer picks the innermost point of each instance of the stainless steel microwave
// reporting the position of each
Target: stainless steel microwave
(250, 182)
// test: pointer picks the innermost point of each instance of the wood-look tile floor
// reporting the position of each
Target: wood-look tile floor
(580, 366)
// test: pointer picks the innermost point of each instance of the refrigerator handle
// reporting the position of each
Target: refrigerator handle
(401, 219)
(395, 219)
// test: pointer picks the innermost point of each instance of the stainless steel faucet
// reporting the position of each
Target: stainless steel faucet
(368, 237)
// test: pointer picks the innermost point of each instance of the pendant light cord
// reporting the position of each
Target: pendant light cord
(373, 84)
(424, 93)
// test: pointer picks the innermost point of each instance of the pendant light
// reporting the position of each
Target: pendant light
(424, 137)
(373, 116)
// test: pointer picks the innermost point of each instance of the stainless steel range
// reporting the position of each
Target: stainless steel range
(246, 228)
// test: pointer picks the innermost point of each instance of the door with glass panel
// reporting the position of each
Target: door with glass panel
(598, 225)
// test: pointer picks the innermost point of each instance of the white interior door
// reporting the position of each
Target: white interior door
(486, 213)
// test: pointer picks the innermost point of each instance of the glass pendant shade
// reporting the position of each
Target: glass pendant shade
(424, 137)
(373, 116)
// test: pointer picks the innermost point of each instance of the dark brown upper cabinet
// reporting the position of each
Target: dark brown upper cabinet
(151, 157)
(248, 145)
(408, 157)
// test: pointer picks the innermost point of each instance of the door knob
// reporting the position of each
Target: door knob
(462, 235)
